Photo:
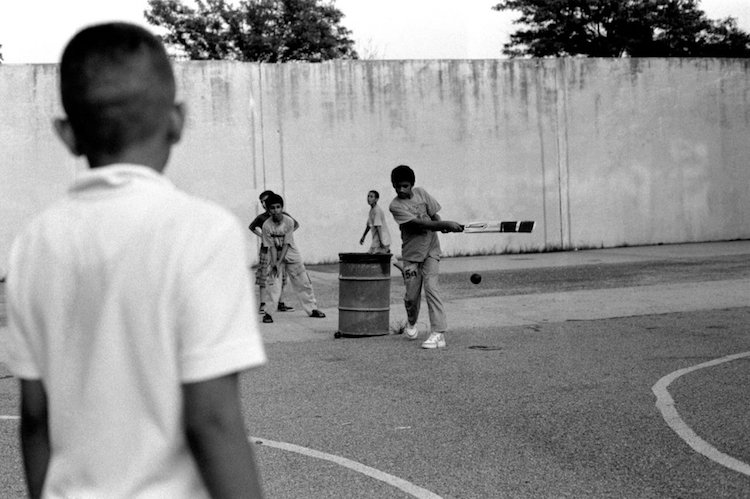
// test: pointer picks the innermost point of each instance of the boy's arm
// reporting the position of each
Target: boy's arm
(34, 435)
(216, 435)
(296, 223)
(367, 229)
(282, 254)
(272, 260)
(288, 234)
(434, 225)
(256, 227)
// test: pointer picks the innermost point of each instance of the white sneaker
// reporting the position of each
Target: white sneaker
(436, 340)
(411, 332)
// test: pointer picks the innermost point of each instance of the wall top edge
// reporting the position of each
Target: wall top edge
(524, 60)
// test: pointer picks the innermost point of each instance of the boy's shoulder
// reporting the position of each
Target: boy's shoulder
(286, 222)
(261, 218)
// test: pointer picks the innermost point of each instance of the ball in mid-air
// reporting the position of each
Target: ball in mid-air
(476, 278)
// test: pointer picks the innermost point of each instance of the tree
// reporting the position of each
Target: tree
(254, 30)
(616, 28)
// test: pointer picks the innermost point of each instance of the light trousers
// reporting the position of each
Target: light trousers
(297, 275)
(419, 276)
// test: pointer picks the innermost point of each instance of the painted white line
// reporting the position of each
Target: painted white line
(394, 481)
(408, 487)
(665, 404)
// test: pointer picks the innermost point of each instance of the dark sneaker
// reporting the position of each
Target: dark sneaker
(284, 308)
(267, 319)
(317, 313)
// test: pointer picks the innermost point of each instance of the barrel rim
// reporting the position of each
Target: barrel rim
(365, 257)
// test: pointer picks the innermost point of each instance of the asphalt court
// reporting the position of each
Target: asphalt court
(546, 389)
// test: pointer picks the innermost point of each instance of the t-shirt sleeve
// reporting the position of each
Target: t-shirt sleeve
(288, 230)
(400, 214)
(378, 218)
(20, 359)
(257, 222)
(266, 238)
(432, 205)
(218, 333)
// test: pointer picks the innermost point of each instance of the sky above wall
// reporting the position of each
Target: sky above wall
(36, 32)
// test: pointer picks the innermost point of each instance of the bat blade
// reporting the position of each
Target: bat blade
(499, 226)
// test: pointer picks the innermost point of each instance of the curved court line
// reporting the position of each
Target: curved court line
(665, 404)
(394, 481)
(408, 487)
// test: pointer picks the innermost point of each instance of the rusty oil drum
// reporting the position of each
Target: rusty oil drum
(364, 294)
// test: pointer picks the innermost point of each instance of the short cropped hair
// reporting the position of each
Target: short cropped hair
(274, 199)
(402, 173)
(117, 86)
(264, 194)
(377, 194)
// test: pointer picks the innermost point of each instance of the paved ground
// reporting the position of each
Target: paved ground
(548, 387)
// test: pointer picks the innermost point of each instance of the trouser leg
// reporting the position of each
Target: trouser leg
(413, 296)
(435, 307)
(273, 289)
(302, 285)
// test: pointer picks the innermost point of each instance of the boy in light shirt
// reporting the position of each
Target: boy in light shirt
(381, 238)
(130, 313)
(285, 259)
(416, 213)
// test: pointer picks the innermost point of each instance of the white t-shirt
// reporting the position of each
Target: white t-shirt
(416, 245)
(279, 234)
(376, 218)
(118, 295)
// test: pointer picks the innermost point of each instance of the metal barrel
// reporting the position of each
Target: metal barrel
(364, 294)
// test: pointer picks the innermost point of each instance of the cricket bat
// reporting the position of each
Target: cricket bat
(499, 226)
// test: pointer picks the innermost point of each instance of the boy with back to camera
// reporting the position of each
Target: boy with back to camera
(285, 258)
(261, 272)
(416, 213)
(381, 238)
(130, 311)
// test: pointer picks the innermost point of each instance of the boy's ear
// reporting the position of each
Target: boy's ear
(176, 122)
(66, 133)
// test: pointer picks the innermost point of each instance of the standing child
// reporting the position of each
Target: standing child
(261, 272)
(285, 258)
(416, 213)
(130, 314)
(381, 238)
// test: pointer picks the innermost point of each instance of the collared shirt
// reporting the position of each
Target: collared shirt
(117, 295)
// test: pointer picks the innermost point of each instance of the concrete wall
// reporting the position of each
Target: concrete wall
(600, 152)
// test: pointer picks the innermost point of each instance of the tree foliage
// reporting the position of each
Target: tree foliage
(253, 30)
(616, 28)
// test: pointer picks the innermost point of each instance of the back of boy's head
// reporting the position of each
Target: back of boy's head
(264, 195)
(274, 198)
(375, 193)
(117, 86)
(402, 173)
